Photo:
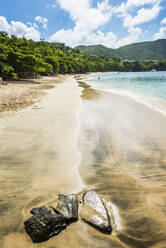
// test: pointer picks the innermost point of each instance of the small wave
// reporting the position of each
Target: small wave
(141, 99)
(152, 102)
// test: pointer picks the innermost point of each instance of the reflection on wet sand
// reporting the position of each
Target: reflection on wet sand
(123, 158)
(87, 92)
(121, 155)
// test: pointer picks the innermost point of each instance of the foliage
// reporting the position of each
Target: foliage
(22, 58)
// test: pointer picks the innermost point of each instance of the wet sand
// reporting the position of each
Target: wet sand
(77, 138)
(123, 147)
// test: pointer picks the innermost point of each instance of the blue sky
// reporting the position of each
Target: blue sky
(112, 23)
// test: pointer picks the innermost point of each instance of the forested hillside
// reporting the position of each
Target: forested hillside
(22, 58)
(152, 50)
(98, 50)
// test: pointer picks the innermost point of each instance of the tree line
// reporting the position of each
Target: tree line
(22, 58)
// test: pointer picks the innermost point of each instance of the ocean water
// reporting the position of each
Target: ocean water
(146, 87)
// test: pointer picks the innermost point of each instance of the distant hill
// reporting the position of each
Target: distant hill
(150, 50)
(98, 50)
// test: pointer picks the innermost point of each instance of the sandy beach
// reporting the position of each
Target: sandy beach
(39, 157)
(76, 138)
(21, 94)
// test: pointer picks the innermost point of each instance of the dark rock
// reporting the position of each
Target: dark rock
(95, 213)
(68, 207)
(43, 224)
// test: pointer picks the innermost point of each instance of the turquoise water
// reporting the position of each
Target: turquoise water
(146, 87)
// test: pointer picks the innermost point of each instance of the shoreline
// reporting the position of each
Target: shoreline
(79, 138)
(126, 163)
(137, 98)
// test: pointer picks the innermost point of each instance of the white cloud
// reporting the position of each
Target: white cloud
(50, 6)
(74, 38)
(85, 16)
(124, 7)
(143, 15)
(19, 29)
(134, 34)
(141, 2)
(88, 22)
(163, 22)
(32, 24)
(42, 20)
(161, 33)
